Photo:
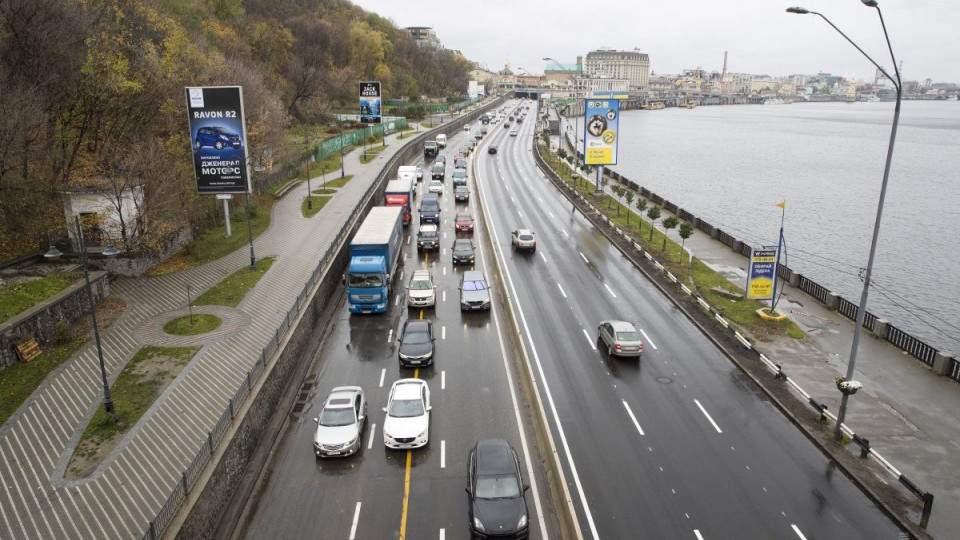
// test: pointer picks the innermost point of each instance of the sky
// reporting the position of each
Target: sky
(759, 36)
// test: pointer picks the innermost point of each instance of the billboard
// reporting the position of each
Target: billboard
(218, 136)
(370, 102)
(762, 267)
(601, 131)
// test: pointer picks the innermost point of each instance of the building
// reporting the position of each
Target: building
(587, 85)
(633, 66)
(425, 37)
(556, 74)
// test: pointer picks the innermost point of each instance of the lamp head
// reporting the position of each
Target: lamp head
(869, 3)
(797, 10)
(53, 254)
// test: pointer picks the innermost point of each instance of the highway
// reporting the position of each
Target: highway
(418, 494)
(679, 444)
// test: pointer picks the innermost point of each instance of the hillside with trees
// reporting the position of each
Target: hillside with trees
(93, 96)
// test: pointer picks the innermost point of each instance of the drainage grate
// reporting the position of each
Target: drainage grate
(306, 386)
(298, 407)
(303, 396)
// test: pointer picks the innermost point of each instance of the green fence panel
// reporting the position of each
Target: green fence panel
(355, 137)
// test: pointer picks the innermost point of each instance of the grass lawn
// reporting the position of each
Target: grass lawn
(201, 324)
(327, 165)
(339, 182)
(134, 391)
(214, 243)
(19, 381)
(741, 312)
(232, 290)
(324, 191)
(371, 153)
(429, 125)
(20, 297)
(318, 203)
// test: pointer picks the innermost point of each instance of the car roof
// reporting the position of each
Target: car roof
(464, 214)
(342, 397)
(494, 457)
(473, 275)
(621, 326)
(422, 274)
(416, 325)
(461, 188)
(428, 227)
(524, 231)
(462, 242)
(407, 388)
(430, 197)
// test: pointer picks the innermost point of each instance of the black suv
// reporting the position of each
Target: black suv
(438, 171)
(496, 490)
(463, 251)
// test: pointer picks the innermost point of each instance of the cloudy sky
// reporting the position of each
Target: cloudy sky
(759, 35)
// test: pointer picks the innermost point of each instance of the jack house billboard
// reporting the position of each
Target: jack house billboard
(218, 136)
(601, 131)
(370, 102)
(760, 278)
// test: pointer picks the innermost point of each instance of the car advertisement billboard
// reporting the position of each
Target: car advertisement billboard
(601, 131)
(760, 279)
(218, 136)
(370, 102)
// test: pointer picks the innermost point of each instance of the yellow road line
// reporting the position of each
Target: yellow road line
(406, 483)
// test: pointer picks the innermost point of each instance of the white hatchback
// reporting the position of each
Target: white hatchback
(436, 186)
(408, 415)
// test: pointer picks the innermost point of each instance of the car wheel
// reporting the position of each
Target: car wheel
(218, 145)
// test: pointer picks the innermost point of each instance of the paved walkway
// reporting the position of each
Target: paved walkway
(131, 486)
(909, 414)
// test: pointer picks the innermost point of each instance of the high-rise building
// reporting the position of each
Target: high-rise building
(634, 66)
(425, 37)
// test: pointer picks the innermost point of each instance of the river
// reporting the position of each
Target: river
(730, 165)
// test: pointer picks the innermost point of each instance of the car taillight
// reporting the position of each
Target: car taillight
(641, 346)
(617, 346)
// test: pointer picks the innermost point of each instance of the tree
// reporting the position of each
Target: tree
(654, 214)
(628, 194)
(668, 224)
(641, 207)
(617, 190)
(686, 231)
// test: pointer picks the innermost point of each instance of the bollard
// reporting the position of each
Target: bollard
(927, 508)
(864, 445)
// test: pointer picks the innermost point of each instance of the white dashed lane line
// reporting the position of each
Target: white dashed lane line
(561, 290)
(542, 256)
(390, 336)
(696, 532)
(584, 257)
(356, 519)
(589, 339)
(650, 341)
(705, 413)
(443, 454)
(383, 373)
(797, 530)
(609, 290)
(632, 417)
(373, 430)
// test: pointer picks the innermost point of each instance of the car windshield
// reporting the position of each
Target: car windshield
(366, 280)
(421, 284)
(474, 286)
(336, 417)
(497, 487)
(627, 336)
(462, 246)
(465, 219)
(428, 235)
(430, 207)
(406, 408)
(415, 338)
(526, 237)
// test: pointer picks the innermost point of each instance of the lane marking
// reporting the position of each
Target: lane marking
(406, 496)
(609, 290)
(561, 290)
(542, 256)
(565, 233)
(443, 454)
(443, 332)
(397, 301)
(443, 534)
(705, 413)
(650, 341)
(549, 212)
(390, 336)
(584, 257)
(589, 339)
(356, 518)
(634, 418)
(373, 431)
(797, 530)
(444, 270)
(383, 373)
(443, 380)
(696, 532)
(443, 296)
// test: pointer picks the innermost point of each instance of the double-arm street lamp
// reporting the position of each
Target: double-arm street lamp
(861, 311)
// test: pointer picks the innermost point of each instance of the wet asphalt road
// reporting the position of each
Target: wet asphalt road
(377, 494)
(679, 444)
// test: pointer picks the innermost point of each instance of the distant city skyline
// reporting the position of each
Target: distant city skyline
(760, 37)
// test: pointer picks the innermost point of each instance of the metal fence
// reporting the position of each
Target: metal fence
(190, 475)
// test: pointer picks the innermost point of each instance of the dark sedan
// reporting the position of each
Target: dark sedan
(498, 508)
(416, 343)
(463, 252)
(492, 150)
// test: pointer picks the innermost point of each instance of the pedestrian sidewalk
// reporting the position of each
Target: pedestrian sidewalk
(908, 413)
(129, 489)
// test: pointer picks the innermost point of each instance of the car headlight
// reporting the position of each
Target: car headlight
(477, 524)
(523, 522)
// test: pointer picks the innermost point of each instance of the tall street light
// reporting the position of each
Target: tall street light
(861, 311)
(109, 252)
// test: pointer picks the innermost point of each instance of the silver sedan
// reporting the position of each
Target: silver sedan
(620, 338)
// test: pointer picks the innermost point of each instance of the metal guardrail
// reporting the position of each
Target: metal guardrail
(190, 475)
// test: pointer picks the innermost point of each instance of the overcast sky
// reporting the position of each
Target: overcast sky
(759, 35)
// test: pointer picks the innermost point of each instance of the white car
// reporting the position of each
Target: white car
(422, 292)
(408, 415)
(513, 132)
(436, 186)
(340, 424)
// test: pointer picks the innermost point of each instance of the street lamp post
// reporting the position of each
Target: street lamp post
(861, 310)
(342, 172)
(109, 252)
(309, 191)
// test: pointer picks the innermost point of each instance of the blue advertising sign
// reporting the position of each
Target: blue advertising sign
(218, 136)
(370, 102)
(601, 131)
(762, 267)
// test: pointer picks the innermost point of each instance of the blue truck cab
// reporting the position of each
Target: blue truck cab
(374, 257)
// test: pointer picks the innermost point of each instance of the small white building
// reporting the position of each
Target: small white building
(104, 210)
(474, 89)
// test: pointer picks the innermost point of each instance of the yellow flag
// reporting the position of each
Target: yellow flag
(782, 205)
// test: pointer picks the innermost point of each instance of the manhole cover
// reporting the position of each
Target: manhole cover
(664, 380)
